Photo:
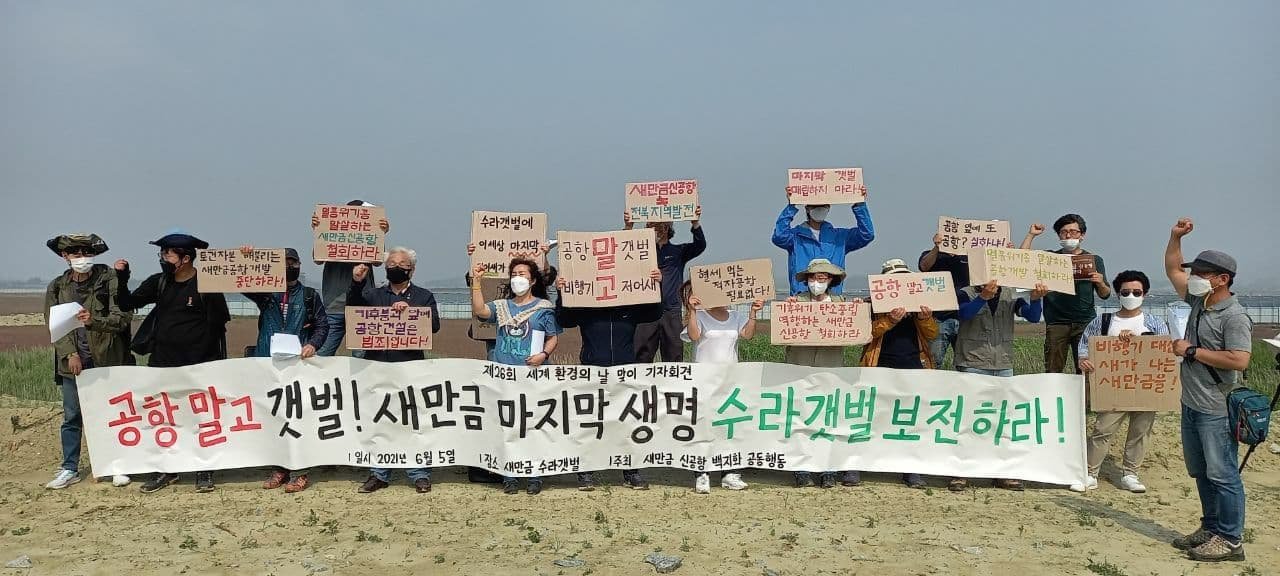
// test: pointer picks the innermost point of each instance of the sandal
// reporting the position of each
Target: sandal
(958, 485)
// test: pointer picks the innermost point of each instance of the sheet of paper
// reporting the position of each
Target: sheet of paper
(1273, 341)
(537, 340)
(62, 320)
(284, 345)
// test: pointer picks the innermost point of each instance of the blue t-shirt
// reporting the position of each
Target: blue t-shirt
(513, 343)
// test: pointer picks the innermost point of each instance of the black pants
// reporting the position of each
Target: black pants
(664, 334)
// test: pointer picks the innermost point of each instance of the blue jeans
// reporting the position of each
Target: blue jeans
(1003, 372)
(1211, 455)
(337, 329)
(414, 474)
(947, 330)
(72, 424)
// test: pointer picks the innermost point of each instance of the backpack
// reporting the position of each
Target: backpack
(1249, 415)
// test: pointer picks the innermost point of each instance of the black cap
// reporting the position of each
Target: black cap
(180, 239)
(290, 253)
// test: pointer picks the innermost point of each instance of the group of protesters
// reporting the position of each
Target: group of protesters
(188, 327)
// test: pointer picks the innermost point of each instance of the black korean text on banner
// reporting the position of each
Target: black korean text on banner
(603, 269)
(501, 236)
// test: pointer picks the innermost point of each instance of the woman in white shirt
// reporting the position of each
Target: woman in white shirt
(714, 333)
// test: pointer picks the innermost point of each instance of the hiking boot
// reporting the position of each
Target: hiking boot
(851, 478)
(373, 484)
(733, 482)
(804, 480)
(63, 479)
(635, 481)
(510, 486)
(1200, 536)
(422, 485)
(702, 485)
(827, 480)
(913, 481)
(1217, 549)
(482, 476)
(1090, 483)
(158, 482)
(275, 480)
(586, 481)
(120, 480)
(534, 488)
(204, 482)
(1131, 483)
(298, 484)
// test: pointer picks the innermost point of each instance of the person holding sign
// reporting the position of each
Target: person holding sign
(934, 260)
(1215, 352)
(335, 280)
(299, 313)
(664, 334)
(1066, 315)
(399, 293)
(1128, 322)
(984, 344)
(98, 341)
(715, 333)
(185, 328)
(527, 329)
(818, 239)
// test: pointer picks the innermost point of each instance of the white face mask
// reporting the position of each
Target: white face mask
(818, 214)
(1197, 286)
(1069, 243)
(519, 285)
(817, 288)
(1131, 302)
(82, 264)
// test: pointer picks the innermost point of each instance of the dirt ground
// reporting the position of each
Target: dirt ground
(881, 527)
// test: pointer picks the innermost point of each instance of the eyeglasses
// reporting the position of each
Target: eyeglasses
(79, 252)
(1070, 233)
(1128, 292)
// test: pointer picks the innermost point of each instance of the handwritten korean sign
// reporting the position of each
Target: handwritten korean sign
(1015, 268)
(1142, 375)
(385, 328)
(666, 201)
(608, 268)
(825, 186)
(501, 236)
(733, 282)
(1083, 266)
(911, 291)
(348, 234)
(960, 236)
(230, 270)
(819, 323)
(490, 289)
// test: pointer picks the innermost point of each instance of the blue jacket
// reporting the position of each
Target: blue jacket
(833, 243)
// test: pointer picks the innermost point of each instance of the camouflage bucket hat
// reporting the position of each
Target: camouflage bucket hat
(64, 242)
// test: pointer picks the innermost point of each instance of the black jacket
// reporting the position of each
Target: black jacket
(608, 334)
(367, 294)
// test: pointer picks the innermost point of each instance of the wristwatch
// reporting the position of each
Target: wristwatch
(1190, 354)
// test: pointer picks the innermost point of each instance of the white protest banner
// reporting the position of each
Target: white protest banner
(522, 421)
(230, 270)
(912, 290)
(1141, 375)
(604, 269)
(1016, 268)
(819, 323)
(501, 236)
(807, 186)
(348, 233)
(959, 236)
(666, 201)
(385, 328)
(718, 285)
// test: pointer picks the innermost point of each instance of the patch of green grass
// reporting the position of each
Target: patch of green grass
(27, 374)
(1105, 568)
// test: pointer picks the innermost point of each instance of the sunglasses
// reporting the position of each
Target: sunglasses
(1131, 292)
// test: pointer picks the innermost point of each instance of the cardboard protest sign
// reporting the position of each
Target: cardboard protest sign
(807, 186)
(230, 270)
(384, 328)
(1141, 375)
(960, 236)
(348, 234)
(501, 236)
(912, 290)
(733, 282)
(1083, 266)
(666, 201)
(605, 269)
(1015, 268)
(491, 289)
(819, 323)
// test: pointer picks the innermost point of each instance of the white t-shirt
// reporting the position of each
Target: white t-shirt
(719, 342)
(1137, 325)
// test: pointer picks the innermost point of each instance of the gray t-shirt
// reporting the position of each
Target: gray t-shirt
(1224, 326)
(335, 281)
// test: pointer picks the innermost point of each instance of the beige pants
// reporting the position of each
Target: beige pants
(819, 356)
(1135, 445)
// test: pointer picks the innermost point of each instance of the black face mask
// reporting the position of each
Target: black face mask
(397, 275)
(168, 267)
(292, 274)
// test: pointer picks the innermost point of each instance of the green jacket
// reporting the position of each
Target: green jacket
(108, 345)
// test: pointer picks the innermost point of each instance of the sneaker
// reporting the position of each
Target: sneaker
(1217, 549)
(298, 484)
(534, 488)
(120, 480)
(1090, 484)
(1129, 482)
(851, 478)
(204, 482)
(635, 481)
(158, 482)
(63, 479)
(510, 486)
(373, 484)
(827, 480)
(804, 480)
(422, 485)
(733, 482)
(275, 480)
(586, 481)
(702, 485)
(914, 481)
(1200, 536)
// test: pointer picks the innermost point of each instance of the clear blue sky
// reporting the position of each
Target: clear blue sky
(232, 119)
